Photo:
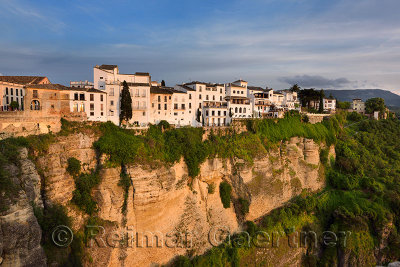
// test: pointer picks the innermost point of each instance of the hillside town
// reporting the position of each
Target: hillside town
(193, 104)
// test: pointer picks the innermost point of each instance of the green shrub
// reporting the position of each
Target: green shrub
(81, 196)
(211, 188)
(244, 205)
(125, 183)
(74, 166)
(323, 155)
(225, 190)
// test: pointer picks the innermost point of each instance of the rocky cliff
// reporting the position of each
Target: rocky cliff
(20, 233)
(180, 211)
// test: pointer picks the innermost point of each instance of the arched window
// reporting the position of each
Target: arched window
(75, 107)
(236, 110)
(240, 110)
(35, 105)
(82, 107)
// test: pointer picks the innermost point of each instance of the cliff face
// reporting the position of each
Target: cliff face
(20, 233)
(180, 211)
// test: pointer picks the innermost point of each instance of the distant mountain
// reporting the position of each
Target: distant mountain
(391, 99)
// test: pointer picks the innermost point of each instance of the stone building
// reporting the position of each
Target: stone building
(12, 90)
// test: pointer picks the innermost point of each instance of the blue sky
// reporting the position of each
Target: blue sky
(322, 44)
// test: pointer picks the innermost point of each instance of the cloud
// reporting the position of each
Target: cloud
(316, 81)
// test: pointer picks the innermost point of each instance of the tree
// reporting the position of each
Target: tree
(295, 88)
(321, 101)
(308, 95)
(162, 83)
(14, 105)
(343, 105)
(126, 104)
(375, 104)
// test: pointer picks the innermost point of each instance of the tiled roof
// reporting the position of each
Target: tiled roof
(240, 81)
(160, 90)
(63, 88)
(107, 67)
(186, 87)
(53, 86)
(138, 84)
(195, 82)
(22, 79)
(142, 74)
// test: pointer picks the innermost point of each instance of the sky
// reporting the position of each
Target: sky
(336, 44)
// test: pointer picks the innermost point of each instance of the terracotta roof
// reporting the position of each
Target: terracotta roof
(142, 74)
(107, 67)
(186, 87)
(138, 84)
(160, 90)
(22, 79)
(240, 81)
(63, 88)
(195, 82)
(53, 86)
(238, 86)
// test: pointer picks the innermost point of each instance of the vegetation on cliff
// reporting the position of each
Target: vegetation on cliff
(361, 199)
(157, 144)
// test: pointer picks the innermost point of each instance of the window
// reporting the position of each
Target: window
(213, 97)
(206, 97)
(199, 96)
(224, 113)
(159, 106)
(76, 96)
(234, 91)
(101, 98)
(220, 91)
(16, 92)
(6, 90)
(244, 110)
(22, 93)
(101, 78)
(165, 106)
(190, 105)
(12, 92)
(159, 98)
(82, 97)
(219, 113)
(91, 97)
(206, 112)
(7, 101)
(111, 112)
(190, 96)
(183, 106)
(175, 106)
(213, 113)
(111, 91)
(91, 106)
(220, 98)
(137, 92)
(144, 113)
(101, 107)
(169, 97)
(101, 113)
(91, 113)
(112, 103)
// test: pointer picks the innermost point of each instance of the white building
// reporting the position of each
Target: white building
(201, 97)
(290, 100)
(108, 78)
(239, 105)
(329, 104)
(91, 101)
(358, 105)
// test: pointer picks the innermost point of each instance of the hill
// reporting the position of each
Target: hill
(391, 99)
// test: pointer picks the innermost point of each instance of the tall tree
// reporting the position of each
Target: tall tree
(321, 101)
(375, 104)
(126, 104)
(162, 83)
(295, 88)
